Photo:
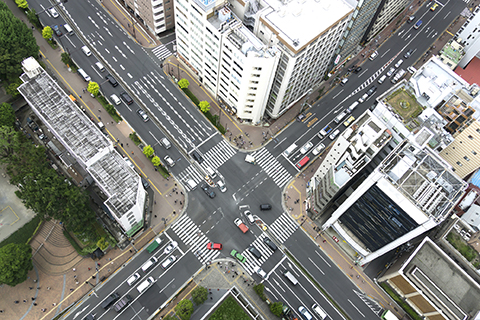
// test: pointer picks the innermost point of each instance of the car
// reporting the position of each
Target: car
(362, 98)
(435, 5)
(234, 253)
(304, 313)
(334, 135)
(352, 68)
(170, 247)
(390, 72)
(343, 82)
(169, 161)
(143, 115)
(307, 146)
(358, 69)
(318, 149)
(145, 183)
(57, 31)
(300, 117)
(197, 156)
(411, 69)
(373, 55)
(53, 12)
(260, 272)
(372, 90)
(221, 186)
(214, 246)
(112, 80)
(408, 54)
(249, 216)
(399, 63)
(382, 79)
(130, 164)
(270, 243)
(410, 19)
(125, 97)
(349, 121)
(209, 192)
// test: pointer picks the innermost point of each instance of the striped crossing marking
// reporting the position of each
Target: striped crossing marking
(272, 167)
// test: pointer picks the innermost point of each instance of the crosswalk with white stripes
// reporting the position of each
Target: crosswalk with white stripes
(188, 173)
(272, 167)
(252, 262)
(193, 237)
(218, 155)
(283, 227)
(161, 52)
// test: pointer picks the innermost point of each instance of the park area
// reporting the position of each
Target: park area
(229, 310)
(404, 104)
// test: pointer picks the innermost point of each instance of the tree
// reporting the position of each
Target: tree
(184, 309)
(204, 106)
(276, 308)
(65, 56)
(47, 33)
(7, 116)
(15, 263)
(13, 86)
(168, 317)
(17, 43)
(102, 243)
(199, 295)
(93, 88)
(22, 4)
(259, 290)
(183, 83)
(32, 17)
(156, 161)
(148, 151)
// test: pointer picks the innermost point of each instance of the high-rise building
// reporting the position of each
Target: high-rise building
(262, 55)
(87, 145)
(156, 15)
(409, 193)
(468, 37)
(387, 10)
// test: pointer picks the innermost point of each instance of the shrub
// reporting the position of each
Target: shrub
(259, 288)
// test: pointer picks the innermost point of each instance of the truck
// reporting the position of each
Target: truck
(250, 159)
(324, 132)
(239, 223)
(154, 245)
(398, 76)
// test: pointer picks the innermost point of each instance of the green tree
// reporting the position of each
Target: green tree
(22, 4)
(259, 288)
(168, 317)
(148, 151)
(204, 106)
(15, 263)
(32, 17)
(102, 243)
(183, 83)
(199, 295)
(93, 88)
(7, 116)
(156, 161)
(47, 33)
(13, 86)
(276, 308)
(184, 309)
(65, 57)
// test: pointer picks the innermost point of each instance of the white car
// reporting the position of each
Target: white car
(411, 69)
(318, 149)
(169, 161)
(390, 72)
(260, 272)
(130, 164)
(53, 12)
(382, 79)
(249, 216)
(170, 247)
(399, 62)
(334, 135)
(221, 186)
(307, 146)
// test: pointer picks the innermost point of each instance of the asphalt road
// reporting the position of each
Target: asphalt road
(248, 185)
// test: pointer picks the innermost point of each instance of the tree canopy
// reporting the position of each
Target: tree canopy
(15, 263)
(93, 88)
(184, 309)
(47, 34)
(22, 4)
(7, 116)
(148, 151)
(199, 295)
(16, 43)
(204, 106)
(183, 83)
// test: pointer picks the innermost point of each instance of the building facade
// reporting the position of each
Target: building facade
(469, 37)
(156, 15)
(387, 10)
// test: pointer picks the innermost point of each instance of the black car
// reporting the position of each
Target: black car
(372, 90)
(112, 80)
(197, 156)
(270, 243)
(57, 30)
(111, 299)
(126, 98)
(408, 54)
(209, 192)
(352, 68)
(358, 69)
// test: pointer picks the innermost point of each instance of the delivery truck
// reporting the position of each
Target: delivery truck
(154, 245)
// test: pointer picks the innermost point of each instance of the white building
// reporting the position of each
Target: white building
(261, 55)
(468, 36)
(84, 141)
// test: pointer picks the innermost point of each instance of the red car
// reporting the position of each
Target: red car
(214, 246)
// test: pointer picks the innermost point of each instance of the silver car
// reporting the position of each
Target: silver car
(307, 146)
(390, 72)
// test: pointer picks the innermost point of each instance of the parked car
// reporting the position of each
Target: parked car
(318, 149)
(390, 72)
(307, 146)
(57, 31)
(372, 90)
(358, 69)
(373, 55)
(411, 69)
(399, 63)
(382, 79)
(349, 121)
(410, 19)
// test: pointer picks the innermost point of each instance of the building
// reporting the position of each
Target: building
(262, 55)
(467, 36)
(156, 15)
(345, 158)
(451, 54)
(409, 193)
(87, 144)
(463, 152)
(387, 10)
(433, 284)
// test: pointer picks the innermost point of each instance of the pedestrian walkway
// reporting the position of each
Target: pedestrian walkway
(283, 227)
(252, 262)
(161, 52)
(192, 173)
(193, 237)
(272, 167)
(218, 155)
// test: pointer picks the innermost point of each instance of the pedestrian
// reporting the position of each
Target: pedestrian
(127, 144)
(54, 304)
(180, 202)
(71, 289)
(74, 269)
(33, 299)
(80, 96)
(176, 192)
(89, 268)
(130, 251)
(175, 201)
(35, 280)
(34, 304)
(99, 110)
(181, 192)
(75, 277)
(31, 288)
(121, 144)
(132, 152)
(173, 212)
(324, 240)
(155, 216)
(16, 301)
(155, 202)
(48, 288)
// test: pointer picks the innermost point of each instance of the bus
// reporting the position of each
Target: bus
(302, 162)
(418, 24)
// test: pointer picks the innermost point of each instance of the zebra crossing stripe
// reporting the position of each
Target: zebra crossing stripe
(219, 154)
(283, 227)
(272, 167)
(161, 52)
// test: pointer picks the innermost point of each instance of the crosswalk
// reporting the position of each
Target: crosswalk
(161, 52)
(192, 236)
(272, 167)
(188, 173)
(283, 227)
(218, 155)
(252, 262)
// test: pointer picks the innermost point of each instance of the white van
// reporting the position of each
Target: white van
(340, 117)
(210, 172)
(100, 66)
(84, 75)
(290, 150)
(191, 184)
(319, 311)
(133, 279)
(68, 29)
(353, 106)
(290, 277)
(150, 263)
(168, 262)
(115, 99)
(87, 51)
(145, 284)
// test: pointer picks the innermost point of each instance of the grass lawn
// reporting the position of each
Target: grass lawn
(229, 310)
(24, 234)
(404, 104)
(464, 248)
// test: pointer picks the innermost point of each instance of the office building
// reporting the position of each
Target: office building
(409, 193)
(386, 12)
(260, 56)
(156, 15)
(468, 37)
(87, 144)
